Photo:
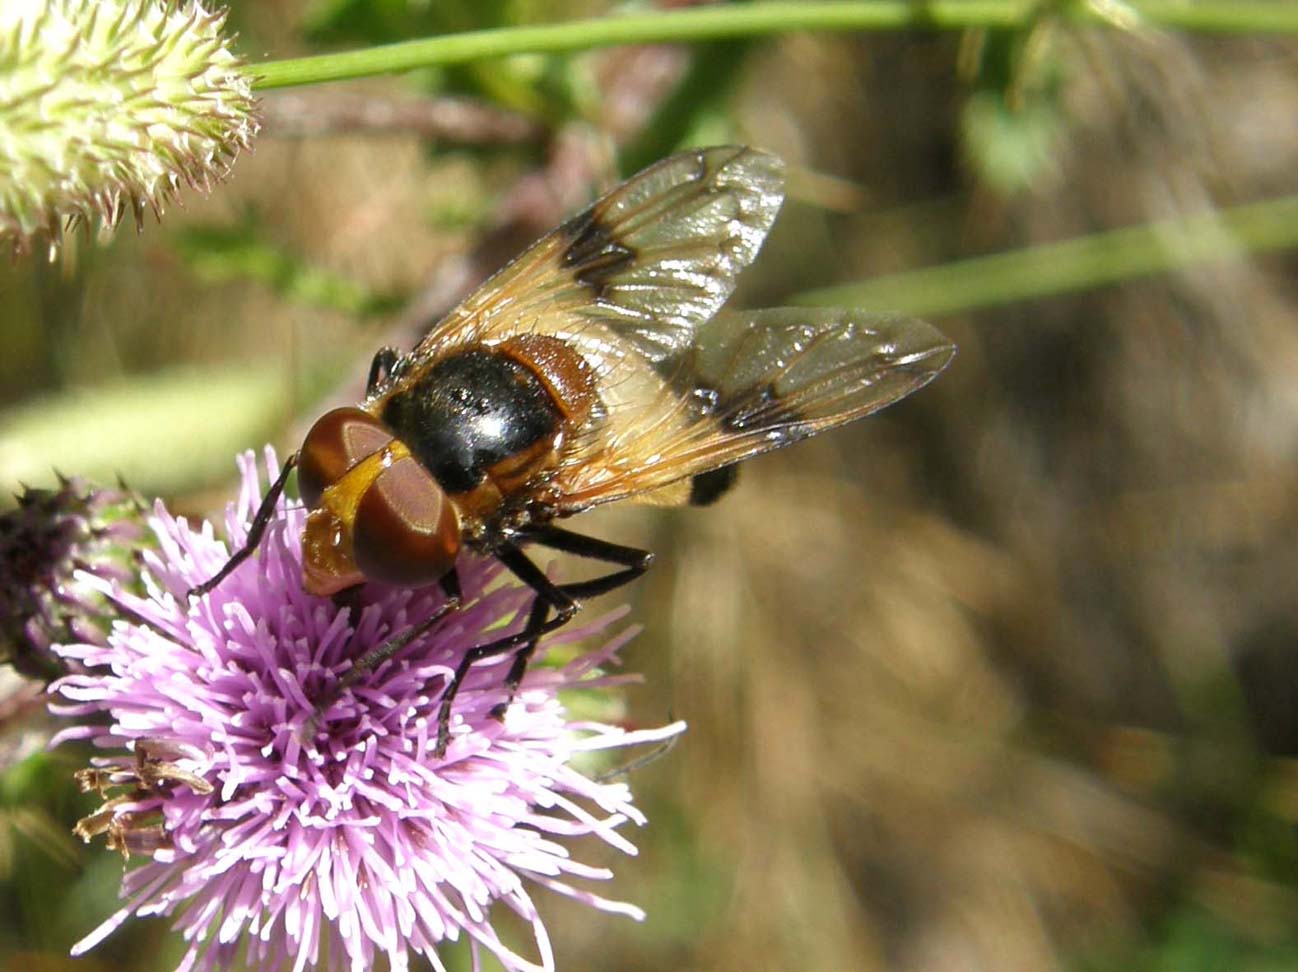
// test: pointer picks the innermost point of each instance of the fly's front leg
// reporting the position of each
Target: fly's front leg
(385, 360)
(375, 657)
(260, 521)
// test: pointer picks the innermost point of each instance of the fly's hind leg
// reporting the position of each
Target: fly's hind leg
(548, 595)
(633, 563)
(564, 599)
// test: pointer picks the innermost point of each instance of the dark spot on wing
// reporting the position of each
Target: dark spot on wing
(749, 407)
(762, 408)
(594, 254)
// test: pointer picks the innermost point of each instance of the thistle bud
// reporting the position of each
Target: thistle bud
(107, 106)
(46, 544)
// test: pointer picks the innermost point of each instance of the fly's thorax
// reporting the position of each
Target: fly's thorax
(564, 372)
(489, 422)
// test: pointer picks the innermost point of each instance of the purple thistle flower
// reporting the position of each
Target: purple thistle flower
(283, 851)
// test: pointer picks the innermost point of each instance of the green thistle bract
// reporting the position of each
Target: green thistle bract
(107, 106)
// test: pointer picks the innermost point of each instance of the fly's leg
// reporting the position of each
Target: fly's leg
(564, 599)
(375, 657)
(256, 531)
(548, 595)
(632, 560)
(385, 360)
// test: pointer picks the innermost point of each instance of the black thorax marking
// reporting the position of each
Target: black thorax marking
(470, 411)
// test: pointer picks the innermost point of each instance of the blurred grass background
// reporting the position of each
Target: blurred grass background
(1001, 679)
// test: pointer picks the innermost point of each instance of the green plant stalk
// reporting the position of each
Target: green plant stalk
(1082, 263)
(755, 20)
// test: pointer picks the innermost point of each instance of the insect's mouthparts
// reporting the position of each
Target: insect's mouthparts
(327, 565)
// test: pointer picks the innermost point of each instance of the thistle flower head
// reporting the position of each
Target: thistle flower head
(107, 106)
(49, 543)
(290, 833)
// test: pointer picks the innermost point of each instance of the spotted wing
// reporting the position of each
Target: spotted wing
(749, 383)
(634, 284)
(629, 281)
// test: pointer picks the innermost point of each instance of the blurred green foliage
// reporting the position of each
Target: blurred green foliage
(156, 430)
(218, 254)
(1014, 118)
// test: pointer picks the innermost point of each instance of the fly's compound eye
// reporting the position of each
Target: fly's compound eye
(338, 441)
(407, 532)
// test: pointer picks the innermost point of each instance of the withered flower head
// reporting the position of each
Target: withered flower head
(47, 545)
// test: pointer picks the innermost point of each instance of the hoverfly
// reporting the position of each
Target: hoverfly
(597, 366)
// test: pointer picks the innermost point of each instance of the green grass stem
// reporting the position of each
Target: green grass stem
(714, 23)
(1082, 263)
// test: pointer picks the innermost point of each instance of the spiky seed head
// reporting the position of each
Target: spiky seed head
(107, 107)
